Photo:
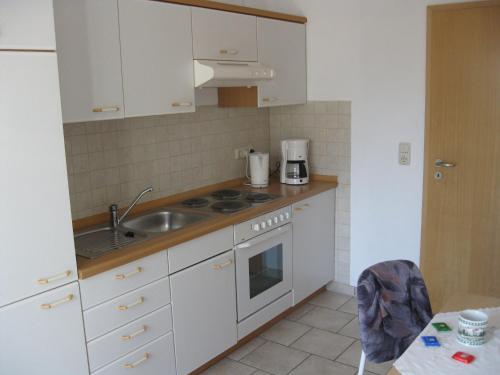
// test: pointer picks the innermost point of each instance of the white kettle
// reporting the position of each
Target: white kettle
(259, 169)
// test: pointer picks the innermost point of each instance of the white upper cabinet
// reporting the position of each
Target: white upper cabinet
(27, 25)
(37, 251)
(219, 35)
(88, 49)
(157, 58)
(282, 46)
(43, 335)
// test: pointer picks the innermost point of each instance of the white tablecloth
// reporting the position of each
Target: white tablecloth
(421, 360)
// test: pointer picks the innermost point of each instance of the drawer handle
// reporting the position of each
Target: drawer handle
(302, 208)
(229, 51)
(182, 104)
(126, 307)
(47, 306)
(218, 267)
(53, 278)
(105, 109)
(138, 362)
(269, 100)
(132, 335)
(122, 276)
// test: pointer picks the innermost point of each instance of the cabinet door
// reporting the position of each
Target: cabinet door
(43, 335)
(37, 251)
(313, 244)
(282, 46)
(221, 35)
(204, 311)
(157, 58)
(88, 50)
(27, 24)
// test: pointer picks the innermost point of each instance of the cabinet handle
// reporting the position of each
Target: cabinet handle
(105, 109)
(218, 267)
(229, 51)
(132, 335)
(47, 306)
(270, 100)
(302, 208)
(138, 362)
(122, 276)
(47, 280)
(126, 307)
(182, 104)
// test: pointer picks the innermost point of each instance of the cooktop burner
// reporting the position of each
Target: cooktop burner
(226, 194)
(229, 206)
(258, 197)
(195, 202)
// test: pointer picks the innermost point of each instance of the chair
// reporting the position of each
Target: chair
(393, 308)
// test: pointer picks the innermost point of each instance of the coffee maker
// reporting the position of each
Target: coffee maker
(294, 165)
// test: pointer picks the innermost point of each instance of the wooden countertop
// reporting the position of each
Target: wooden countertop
(289, 194)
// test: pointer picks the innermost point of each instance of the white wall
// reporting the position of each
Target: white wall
(373, 53)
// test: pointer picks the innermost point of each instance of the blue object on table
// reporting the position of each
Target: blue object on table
(430, 341)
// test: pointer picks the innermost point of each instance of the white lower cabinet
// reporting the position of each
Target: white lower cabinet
(155, 358)
(44, 335)
(204, 311)
(313, 244)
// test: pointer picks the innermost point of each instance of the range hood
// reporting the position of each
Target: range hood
(209, 73)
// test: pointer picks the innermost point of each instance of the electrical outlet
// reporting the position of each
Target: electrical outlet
(404, 153)
(242, 152)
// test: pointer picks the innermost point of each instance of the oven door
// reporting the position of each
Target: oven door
(263, 270)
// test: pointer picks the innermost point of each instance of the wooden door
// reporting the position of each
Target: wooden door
(157, 58)
(282, 46)
(461, 211)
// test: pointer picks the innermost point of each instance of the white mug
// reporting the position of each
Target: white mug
(472, 326)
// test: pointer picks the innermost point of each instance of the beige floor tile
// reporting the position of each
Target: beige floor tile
(330, 300)
(324, 318)
(275, 358)
(321, 366)
(285, 332)
(351, 357)
(350, 306)
(352, 329)
(300, 312)
(260, 372)
(323, 343)
(246, 349)
(229, 367)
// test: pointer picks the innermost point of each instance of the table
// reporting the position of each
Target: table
(460, 302)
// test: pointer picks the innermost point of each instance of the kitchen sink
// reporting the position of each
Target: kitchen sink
(161, 221)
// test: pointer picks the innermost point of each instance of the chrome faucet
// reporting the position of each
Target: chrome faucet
(113, 209)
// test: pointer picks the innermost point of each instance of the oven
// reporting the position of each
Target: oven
(263, 261)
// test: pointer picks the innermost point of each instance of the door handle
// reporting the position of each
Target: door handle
(439, 163)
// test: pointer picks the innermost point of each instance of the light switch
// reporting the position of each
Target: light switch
(404, 153)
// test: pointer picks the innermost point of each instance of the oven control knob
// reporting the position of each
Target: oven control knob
(282, 217)
(263, 225)
(287, 215)
(256, 227)
(275, 219)
(269, 222)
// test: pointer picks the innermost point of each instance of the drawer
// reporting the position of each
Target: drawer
(199, 249)
(120, 280)
(123, 340)
(121, 310)
(154, 358)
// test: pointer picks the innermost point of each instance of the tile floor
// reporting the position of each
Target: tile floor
(320, 338)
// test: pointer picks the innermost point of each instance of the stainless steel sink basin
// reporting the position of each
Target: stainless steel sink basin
(161, 221)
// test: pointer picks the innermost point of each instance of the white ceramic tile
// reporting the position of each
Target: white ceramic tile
(247, 349)
(327, 319)
(352, 355)
(322, 343)
(330, 300)
(285, 332)
(321, 366)
(229, 367)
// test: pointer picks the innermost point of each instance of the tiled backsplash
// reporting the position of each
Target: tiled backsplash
(111, 161)
(328, 126)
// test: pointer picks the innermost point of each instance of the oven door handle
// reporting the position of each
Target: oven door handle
(264, 237)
